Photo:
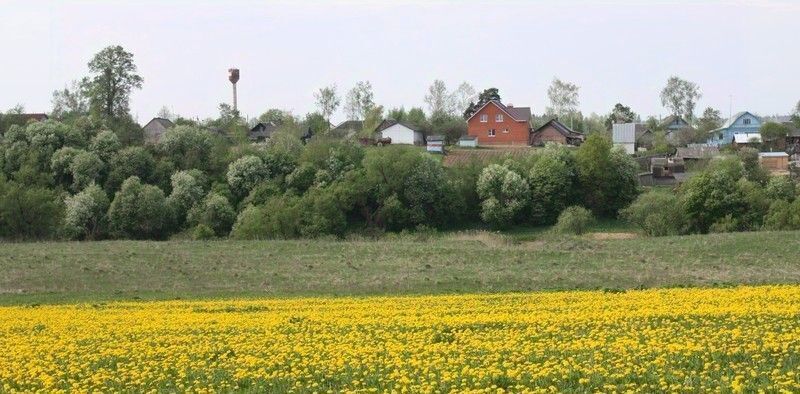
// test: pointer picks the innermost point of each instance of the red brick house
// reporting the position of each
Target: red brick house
(497, 124)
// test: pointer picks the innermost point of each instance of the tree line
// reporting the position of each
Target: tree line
(86, 174)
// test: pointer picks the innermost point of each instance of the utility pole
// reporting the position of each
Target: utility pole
(730, 107)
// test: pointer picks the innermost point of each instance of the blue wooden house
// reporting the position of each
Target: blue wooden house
(744, 125)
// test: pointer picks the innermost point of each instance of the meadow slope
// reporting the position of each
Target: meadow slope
(454, 263)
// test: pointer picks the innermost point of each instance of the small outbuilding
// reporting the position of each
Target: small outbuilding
(435, 144)
(468, 141)
(557, 132)
(399, 132)
(262, 131)
(347, 129)
(629, 136)
(697, 152)
(155, 128)
(774, 161)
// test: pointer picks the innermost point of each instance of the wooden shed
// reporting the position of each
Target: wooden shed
(774, 161)
(435, 144)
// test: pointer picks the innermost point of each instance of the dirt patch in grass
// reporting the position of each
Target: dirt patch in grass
(487, 238)
(607, 236)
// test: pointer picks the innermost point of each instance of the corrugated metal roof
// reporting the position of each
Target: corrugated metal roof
(773, 154)
(745, 138)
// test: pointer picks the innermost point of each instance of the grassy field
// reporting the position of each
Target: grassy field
(470, 262)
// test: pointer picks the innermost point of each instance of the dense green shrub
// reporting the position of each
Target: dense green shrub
(261, 194)
(105, 144)
(406, 187)
(302, 178)
(781, 188)
(60, 164)
(187, 147)
(504, 195)
(751, 166)
(250, 224)
(28, 212)
(131, 161)
(85, 214)
(656, 213)
(202, 232)
(726, 224)
(321, 214)
(783, 215)
(552, 180)
(608, 176)
(186, 192)
(757, 205)
(139, 211)
(279, 218)
(574, 220)
(464, 182)
(215, 212)
(245, 173)
(86, 168)
(711, 196)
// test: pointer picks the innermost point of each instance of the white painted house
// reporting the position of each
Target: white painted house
(400, 133)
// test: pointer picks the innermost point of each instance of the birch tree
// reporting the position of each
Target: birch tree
(563, 98)
(680, 97)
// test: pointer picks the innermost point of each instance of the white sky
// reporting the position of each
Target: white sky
(615, 51)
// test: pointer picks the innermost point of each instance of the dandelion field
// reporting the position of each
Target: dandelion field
(731, 340)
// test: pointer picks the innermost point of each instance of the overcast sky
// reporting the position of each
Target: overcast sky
(618, 51)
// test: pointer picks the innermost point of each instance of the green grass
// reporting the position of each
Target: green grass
(450, 263)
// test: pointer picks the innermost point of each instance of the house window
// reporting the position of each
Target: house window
(498, 118)
(720, 135)
(505, 131)
(746, 121)
(484, 118)
(492, 133)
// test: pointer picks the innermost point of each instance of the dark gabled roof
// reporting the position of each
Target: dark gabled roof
(386, 123)
(262, 130)
(561, 128)
(669, 119)
(347, 128)
(39, 117)
(520, 114)
(165, 123)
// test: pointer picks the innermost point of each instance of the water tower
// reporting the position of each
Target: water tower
(233, 76)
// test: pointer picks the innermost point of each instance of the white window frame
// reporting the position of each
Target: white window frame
(498, 118)
(492, 132)
(484, 118)
(505, 131)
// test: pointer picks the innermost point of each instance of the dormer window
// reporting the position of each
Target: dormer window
(484, 118)
(498, 118)
(746, 121)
